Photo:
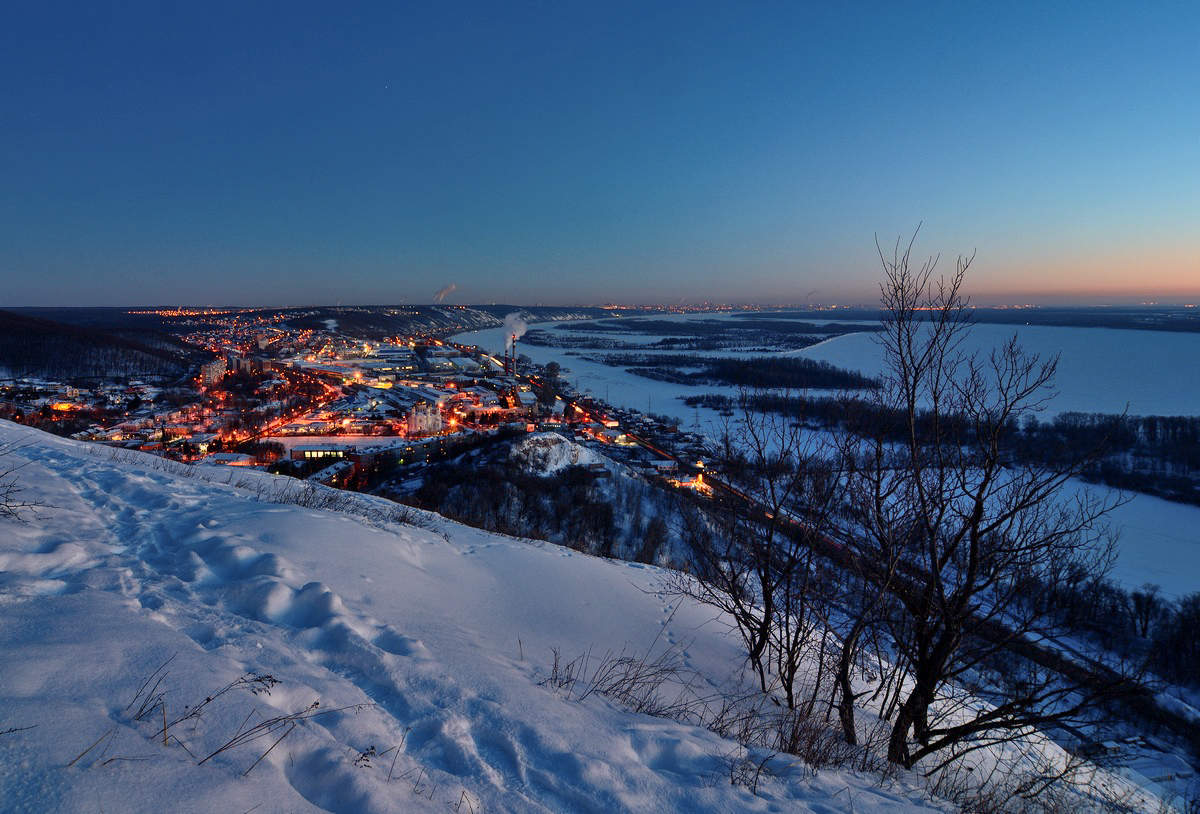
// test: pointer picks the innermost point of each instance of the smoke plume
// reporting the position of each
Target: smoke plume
(444, 292)
(514, 328)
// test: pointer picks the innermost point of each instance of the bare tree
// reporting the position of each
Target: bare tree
(12, 505)
(942, 543)
(1146, 606)
(754, 560)
(972, 535)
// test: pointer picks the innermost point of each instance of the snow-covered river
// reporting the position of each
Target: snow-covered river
(1100, 370)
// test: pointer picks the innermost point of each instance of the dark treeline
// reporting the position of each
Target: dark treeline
(1158, 455)
(1137, 317)
(31, 346)
(816, 410)
(546, 339)
(711, 327)
(503, 497)
(1155, 455)
(701, 334)
(764, 342)
(1173, 441)
(1141, 624)
(773, 372)
(608, 517)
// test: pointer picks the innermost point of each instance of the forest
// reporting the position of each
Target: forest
(766, 372)
(35, 347)
(1155, 455)
(625, 518)
(765, 335)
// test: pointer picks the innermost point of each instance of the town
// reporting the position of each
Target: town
(338, 410)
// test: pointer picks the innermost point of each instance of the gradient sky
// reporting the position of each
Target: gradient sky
(589, 152)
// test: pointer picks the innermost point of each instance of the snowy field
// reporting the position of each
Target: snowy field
(1158, 372)
(423, 648)
(1159, 543)
(1101, 370)
(613, 384)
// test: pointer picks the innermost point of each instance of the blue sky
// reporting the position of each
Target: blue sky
(586, 152)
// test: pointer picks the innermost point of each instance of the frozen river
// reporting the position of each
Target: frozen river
(1100, 370)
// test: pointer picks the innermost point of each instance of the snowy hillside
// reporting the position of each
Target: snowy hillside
(369, 666)
(547, 453)
(543, 486)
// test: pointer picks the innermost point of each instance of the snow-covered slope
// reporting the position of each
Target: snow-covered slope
(424, 649)
(547, 453)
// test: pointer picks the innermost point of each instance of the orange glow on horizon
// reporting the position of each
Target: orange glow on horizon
(1129, 273)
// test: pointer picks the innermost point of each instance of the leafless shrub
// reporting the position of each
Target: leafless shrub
(273, 490)
(465, 799)
(746, 769)
(639, 684)
(324, 498)
(108, 733)
(255, 684)
(813, 740)
(150, 698)
(12, 505)
(755, 722)
(422, 786)
(363, 761)
(737, 718)
(1025, 779)
(14, 729)
(144, 460)
(285, 724)
(663, 686)
(563, 674)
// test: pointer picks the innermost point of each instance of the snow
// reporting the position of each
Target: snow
(1159, 543)
(547, 453)
(613, 384)
(423, 646)
(1100, 370)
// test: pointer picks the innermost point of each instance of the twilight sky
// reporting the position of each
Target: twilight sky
(564, 152)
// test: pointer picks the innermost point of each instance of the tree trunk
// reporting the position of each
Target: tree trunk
(898, 742)
(846, 706)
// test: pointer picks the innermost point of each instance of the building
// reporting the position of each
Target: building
(320, 452)
(212, 372)
(424, 419)
(228, 459)
(245, 364)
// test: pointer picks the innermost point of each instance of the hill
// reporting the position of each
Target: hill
(201, 639)
(34, 346)
(545, 487)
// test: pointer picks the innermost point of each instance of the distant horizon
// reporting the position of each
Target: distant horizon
(1166, 301)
